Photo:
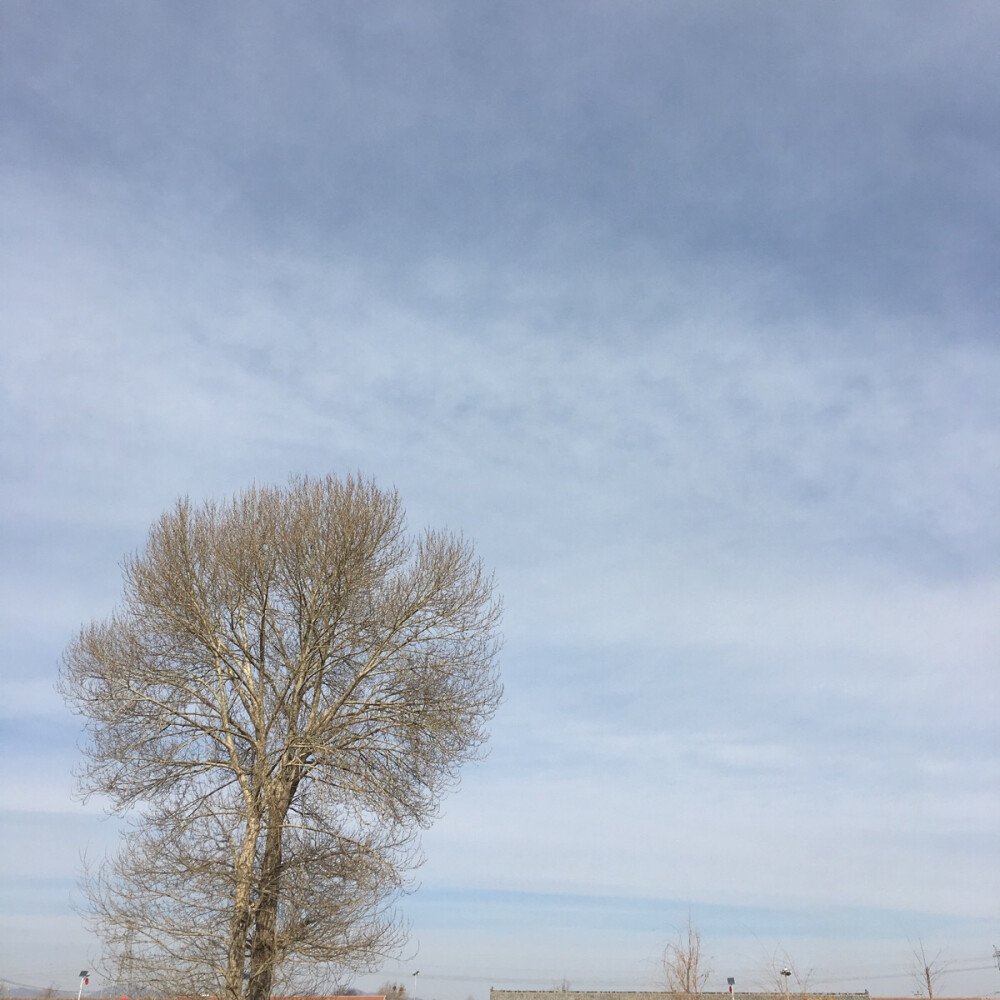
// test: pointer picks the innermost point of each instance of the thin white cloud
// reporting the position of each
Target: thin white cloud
(686, 315)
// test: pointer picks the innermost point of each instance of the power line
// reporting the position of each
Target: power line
(37, 989)
(905, 972)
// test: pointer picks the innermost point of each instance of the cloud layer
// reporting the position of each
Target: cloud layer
(685, 313)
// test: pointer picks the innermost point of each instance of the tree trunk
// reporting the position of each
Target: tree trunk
(239, 923)
(263, 946)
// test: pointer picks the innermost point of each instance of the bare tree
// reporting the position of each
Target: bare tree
(783, 975)
(685, 969)
(927, 972)
(287, 689)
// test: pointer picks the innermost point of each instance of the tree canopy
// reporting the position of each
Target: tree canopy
(288, 687)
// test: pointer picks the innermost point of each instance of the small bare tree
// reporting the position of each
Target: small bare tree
(685, 968)
(289, 686)
(783, 975)
(927, 972)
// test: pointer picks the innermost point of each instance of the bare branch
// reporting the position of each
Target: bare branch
(783, 975)
(287, 689)
(927, 971)
(685, 968)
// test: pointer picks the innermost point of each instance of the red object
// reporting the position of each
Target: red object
(86, 982)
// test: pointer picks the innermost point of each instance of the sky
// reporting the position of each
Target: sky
(687, 314)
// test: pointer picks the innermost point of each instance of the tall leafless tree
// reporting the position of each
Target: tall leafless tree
(290, 684)
(685, 968)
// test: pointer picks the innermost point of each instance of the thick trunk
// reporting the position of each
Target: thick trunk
(239, 922)
(263, 946)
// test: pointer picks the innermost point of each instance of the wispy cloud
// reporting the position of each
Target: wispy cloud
(686, 314)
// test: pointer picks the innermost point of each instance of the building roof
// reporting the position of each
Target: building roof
(666, 995)
(738, 994)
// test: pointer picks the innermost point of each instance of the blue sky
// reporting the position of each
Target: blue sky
(686, 313)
